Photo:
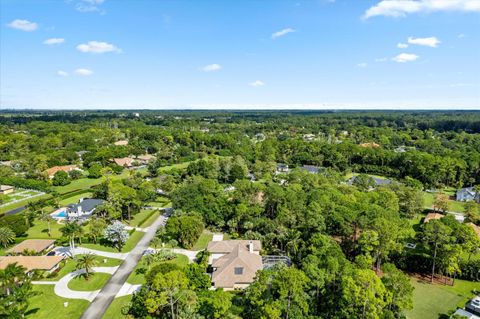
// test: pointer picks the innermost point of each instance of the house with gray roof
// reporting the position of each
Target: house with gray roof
(85, 207)
(468, 193)
(310, 168)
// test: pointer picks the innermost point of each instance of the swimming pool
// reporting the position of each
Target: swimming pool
(62, 214)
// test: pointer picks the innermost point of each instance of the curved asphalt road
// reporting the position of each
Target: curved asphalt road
(105, 297)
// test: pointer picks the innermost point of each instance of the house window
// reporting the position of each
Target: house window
(238, 270)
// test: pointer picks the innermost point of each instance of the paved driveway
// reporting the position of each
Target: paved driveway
(105, 297)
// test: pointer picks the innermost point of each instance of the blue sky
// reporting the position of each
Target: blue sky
(240, 54)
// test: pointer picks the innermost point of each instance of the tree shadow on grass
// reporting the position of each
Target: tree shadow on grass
(31, 312)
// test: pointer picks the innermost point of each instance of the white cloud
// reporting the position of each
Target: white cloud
(62, 73)
(461, 36)
(83, 72)
(429, 42)
(97, 47)
(362, 65)
(256, 83)
(281, 33)
(405, 57)
(23, 25)
(94, 2)
(89, 6)
(459, 85)
(381, 59)
(54, 41)
(211, 67)
(400, 8)
(402, 45)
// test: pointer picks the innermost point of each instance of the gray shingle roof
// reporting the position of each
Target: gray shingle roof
(87, 205)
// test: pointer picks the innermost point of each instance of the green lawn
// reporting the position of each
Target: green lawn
(151, 219)
(84, 183)
(47, 305)
(74, 199)
(77, 184)
(203, 241)
(22, 203)
(429, 198)
(139, 278)
(95, 281)
(40, 230)
(167, 205)
(114, 311)
(143, 216)
(18, 194)
(156, 204)
(350, 175)
(431, 301)
(70, 265)
(174, 166)
(129, 245)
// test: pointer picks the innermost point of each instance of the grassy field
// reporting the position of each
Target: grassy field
(137, 277)
(203, 241)
(77, 184)
(19, 194)
(84, 183)
(131, 242)
(428, 198)
(453, 205)
(432, 301)
(350, 175)
(157, 204)
(174, 166)
(70, 265)
(47, 305)
(74, 199)
(141, 217)
(151, 219)
(40, 230)
(95, 281)
(22, 203)
(114, 311)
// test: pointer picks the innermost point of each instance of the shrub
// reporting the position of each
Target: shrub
(160, 268)
(15, 222)
(25, 183)
(470, 269)
(61, 178)
(95, 171)
(75, 174)
(164, 255)
(186, 229)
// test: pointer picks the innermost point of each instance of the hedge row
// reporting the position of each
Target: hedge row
(26, 183)
(146, 218)
(74, 193)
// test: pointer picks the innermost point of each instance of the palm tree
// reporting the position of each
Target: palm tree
(11, 276)
(149, 260)
(71, 230)
(96, 228)
(156, 242)
(28, 215)
(7, 236)
(107, 171)
(87, 262)
(46, 217)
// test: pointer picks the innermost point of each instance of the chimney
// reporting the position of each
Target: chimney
(250, 247)
(79, 209)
